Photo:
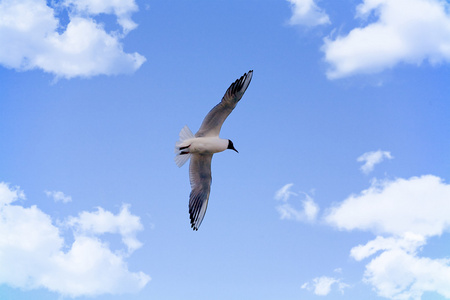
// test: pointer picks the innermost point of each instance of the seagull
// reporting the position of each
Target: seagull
(201, 147)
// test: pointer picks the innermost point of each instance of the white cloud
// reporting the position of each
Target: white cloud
(410, 243)
(321, 286)
(372, 158)
(285, 193)
(419, 205)
(287, 211)
(121, 8)
(101, 221)
(32, 252)
(90, 268)
(58, 196)
(10, 194)
(30, 38)
(307, 13)
(397, 274)
(405, 31)
(406, 212)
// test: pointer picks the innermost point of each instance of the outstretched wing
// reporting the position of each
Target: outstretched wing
(214, 119)
(200, 177)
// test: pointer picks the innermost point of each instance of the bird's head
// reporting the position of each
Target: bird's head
(231, 146)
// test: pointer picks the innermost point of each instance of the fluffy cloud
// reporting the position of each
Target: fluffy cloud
(307, 13)
(419, 205)
(58, 196)
(321, 286)
(397, 274)
(101, 221)
(31, 38)
(10, 194)
(372, 158)
(33, 253)
(121, 8)
(404, 31)
(287, 211)
(404, 213)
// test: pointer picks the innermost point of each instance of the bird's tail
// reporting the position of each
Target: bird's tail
(181, 149)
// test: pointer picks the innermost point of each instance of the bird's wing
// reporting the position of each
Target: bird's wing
(214, 119)
(200, 177)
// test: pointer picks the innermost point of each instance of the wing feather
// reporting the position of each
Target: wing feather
(214, 119)
(200, 177)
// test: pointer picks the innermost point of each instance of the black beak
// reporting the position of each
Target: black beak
(231, 146)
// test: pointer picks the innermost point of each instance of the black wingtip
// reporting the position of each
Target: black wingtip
(195, 228)
(239, 83)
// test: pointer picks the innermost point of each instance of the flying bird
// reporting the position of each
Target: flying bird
(201, 147)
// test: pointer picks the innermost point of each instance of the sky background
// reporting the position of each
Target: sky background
(340, 188)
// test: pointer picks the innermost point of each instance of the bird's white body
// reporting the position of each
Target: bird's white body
(205, 145)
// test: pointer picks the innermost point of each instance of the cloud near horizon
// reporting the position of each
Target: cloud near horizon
(403, 32)
(34, 254)
(33, 37)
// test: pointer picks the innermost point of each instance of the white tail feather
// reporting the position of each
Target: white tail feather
(185, 134)
(180, 160)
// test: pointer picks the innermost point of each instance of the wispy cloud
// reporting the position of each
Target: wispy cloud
(307, 13)
(308, 212)
(409, 242)
(32, 37)
(322, 286)
(35, 254)
(285, 193)
(399, 34)
(370, 159)
(58, 196)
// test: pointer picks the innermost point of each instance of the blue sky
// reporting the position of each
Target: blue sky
(340, 188)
